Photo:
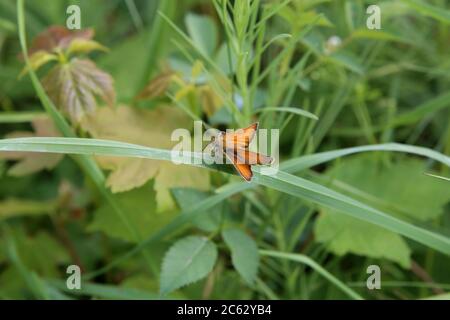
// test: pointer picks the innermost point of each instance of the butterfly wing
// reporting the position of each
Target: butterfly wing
(248, 157)
(240, 139)
(244, 169)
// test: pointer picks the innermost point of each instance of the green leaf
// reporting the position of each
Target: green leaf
(203, 32)
(401, 188)
(37, 60)
(188, 260)
(244, 254)
(140, 207)
(80, 45)
(187, 197)
(343, 235)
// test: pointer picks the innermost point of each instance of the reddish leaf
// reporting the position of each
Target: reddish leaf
(73, 87)
(157, 86)
(58, 37)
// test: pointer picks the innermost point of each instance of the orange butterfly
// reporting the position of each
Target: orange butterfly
(235, 147)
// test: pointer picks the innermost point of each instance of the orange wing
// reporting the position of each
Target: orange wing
(248, 157)
(240, 139)
(245, 170)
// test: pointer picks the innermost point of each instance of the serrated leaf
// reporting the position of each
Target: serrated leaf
(37, 60)
(244, 253)
(202, 31)
(188, 260)
(74, 86)
(188, 197)
(140, 206)
(151, 128)
(31, 162)
(80, 45)
(402, 187)
(343, 235)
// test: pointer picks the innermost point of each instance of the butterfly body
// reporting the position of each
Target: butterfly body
(234, 146)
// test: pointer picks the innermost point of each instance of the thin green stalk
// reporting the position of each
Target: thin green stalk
(19, 117)
(311, 263)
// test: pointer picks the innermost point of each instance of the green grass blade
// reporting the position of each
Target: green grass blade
(153, 46)
(427, 9)
(311, 263)
(296, 111)
(104, 291)
(326, 197)
(19, 117)
(440, 102)
(282, 181)
(308, 161)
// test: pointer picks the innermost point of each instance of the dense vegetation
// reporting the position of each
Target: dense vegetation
(364, 149)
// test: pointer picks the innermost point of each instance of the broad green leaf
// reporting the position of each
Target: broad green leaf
(401, 188)
(244, 254)
(144, 127)
(343, 235)
(188, 260)
(203, 32)
(140, 207)
(187, 197)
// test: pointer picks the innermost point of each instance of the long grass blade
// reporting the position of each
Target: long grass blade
(311, 263)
